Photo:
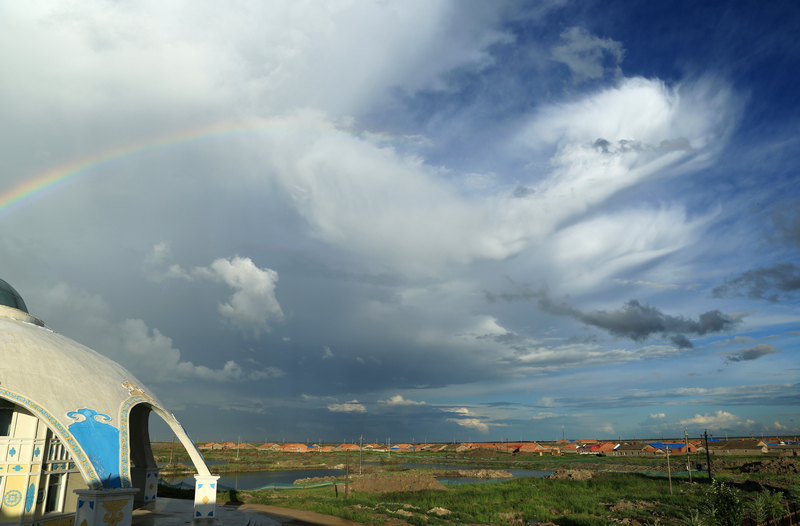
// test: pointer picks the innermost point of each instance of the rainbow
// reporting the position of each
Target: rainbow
(55, 178)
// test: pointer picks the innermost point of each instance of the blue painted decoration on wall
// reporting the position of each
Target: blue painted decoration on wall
(29, 497)
(100, 440)
(12, 498)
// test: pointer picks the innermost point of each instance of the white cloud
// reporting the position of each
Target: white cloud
(348, 407)
(593, 251)
(460, 410)
(543, 416)
(260, 57)
(327, 353)
(419, 221)
(160, 252)
(717, 420)
(253, 306)
(554, 358)
(399, 400)
(778, 425)
(657, 415)
(472, 423)
(643, 122)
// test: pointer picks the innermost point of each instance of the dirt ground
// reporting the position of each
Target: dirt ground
(777, 466)
(575, 474)
(379, 483)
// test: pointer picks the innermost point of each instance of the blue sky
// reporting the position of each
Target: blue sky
(430, 220)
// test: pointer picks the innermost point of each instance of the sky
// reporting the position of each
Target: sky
(415, 220)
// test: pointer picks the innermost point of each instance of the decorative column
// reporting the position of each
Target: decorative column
(151, 485)
(108, 507)
(146, 479)
(205, 496)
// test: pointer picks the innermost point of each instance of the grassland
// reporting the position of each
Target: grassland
(621, 491)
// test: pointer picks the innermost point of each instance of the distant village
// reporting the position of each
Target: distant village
(743, 446)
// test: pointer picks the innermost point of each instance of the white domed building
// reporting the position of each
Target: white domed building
(74, 438)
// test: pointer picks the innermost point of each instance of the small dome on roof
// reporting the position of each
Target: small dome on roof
(10, 297)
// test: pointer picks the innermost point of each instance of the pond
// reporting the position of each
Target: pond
(259, 479)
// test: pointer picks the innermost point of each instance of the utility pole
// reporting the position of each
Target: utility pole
(669, 472)
(360, 444)
(237, 447)
(172, 449)
(347, 475)
(688, 460)
(708, 458)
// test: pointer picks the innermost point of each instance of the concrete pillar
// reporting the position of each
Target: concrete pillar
(108, 507)
(205, 496)
(146, 479)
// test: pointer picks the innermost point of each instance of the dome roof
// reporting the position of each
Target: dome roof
(10, 297)
(79, 393)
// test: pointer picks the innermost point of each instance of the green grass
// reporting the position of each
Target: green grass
(565, 502)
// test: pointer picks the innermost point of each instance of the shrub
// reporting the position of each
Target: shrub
(775, 506)
(721, 505)
(758, 508)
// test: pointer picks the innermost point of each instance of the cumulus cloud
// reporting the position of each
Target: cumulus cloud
(472, 423)
(327, 353)
(717, 420)
(399, 400)
(588, 56)
(781, 280)
(253, 306)
(657, 415)
(633, 320)
(753, 353)
(146, 351)
(348, 407)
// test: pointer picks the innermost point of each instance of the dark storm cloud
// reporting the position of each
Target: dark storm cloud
(781, 279)
(633, 320)
(681, 341)
(753, 353)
